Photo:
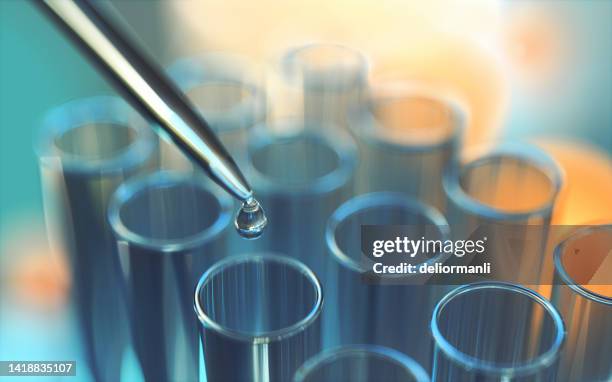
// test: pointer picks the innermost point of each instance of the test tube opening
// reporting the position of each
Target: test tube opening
(303, 161)
(408, 117)
(498, 329)
(223, 87)
(343, 231)
(508, 182)
(95, 141)
(361, 363)
(170, 210)
(258, 298)
(93, 135)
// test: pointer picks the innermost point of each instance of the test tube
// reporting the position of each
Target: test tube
(170, 227)
(407, 136)
(494, 331)
(508, 193)
(228, 92)
(259, 318)
(301, 176)
(583, 294)
(330, 79)
(392, 315)
(361, 363)
(86, 148)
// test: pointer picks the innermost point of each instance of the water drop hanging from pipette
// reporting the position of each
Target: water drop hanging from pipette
(250, 219)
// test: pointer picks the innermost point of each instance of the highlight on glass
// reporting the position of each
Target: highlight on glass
(170, 227)
(583, 294)
(495, 331)
(361, 363)
(259, 317)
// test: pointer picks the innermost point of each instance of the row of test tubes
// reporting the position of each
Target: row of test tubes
(149, 237)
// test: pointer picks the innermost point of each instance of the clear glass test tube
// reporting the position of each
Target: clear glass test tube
(170, 227)
(495, 331)
(407, 136)
(260, 318)
(358, 311)
(508, 193)
(329, 79)
(86, 148)
(582, 292)
(361, 363)
(228, 92)
(300, 176)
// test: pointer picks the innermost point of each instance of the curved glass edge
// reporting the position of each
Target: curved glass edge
(498, 369)
(341, 143)
(378, 199)
(520, 151)
(129, 189)
(99, 109)
(410, 366)
(267, 337)
(564, 275)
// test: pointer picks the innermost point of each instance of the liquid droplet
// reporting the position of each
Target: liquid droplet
(251, 219)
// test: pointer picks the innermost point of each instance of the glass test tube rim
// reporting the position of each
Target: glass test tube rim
(368, 201)
(480, 155)
(341, 143)
(365, 125)
(189, 73)
(564, 275)
(288, 60)
(469, 362)
(81, 112)
(329, 355)
(133, 187)
(270, 336)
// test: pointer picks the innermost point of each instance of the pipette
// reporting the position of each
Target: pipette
(155, 96)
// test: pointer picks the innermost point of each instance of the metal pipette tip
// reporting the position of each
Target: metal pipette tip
(156, 97)
(251, 219)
